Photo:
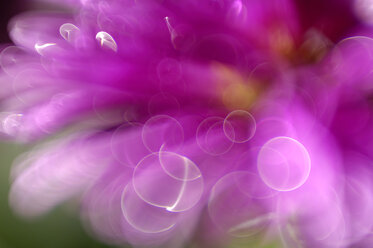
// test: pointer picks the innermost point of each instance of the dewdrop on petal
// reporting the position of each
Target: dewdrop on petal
(69, 31)
(106, 40)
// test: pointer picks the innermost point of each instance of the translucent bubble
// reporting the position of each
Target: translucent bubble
(126, 144)
(243, 124)
(212, 136)
(234, 211)
(106, 40)
(168, 180)
(162, 130)
(143, 216)
(284, 164)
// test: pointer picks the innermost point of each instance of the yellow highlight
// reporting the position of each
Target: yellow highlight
(236, 92)
(281, 42)
(238, 96)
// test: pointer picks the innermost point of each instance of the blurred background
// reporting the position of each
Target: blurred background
(59, 229)
(62, 228)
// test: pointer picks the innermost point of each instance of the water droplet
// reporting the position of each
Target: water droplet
(69, 31)
(106, 40)
(40, 48)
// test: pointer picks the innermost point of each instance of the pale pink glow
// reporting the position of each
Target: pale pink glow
(202, 123)
(234, 209)
(284, 164)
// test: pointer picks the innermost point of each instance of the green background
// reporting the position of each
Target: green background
(59, 229)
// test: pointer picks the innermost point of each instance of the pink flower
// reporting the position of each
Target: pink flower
(195, 122)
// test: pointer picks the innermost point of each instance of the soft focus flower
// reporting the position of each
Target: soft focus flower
(204, 123)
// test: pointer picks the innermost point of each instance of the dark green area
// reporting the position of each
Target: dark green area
(59, 229)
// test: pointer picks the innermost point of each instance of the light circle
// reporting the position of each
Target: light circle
(243, 125)
(284, 163)
(168, 180)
